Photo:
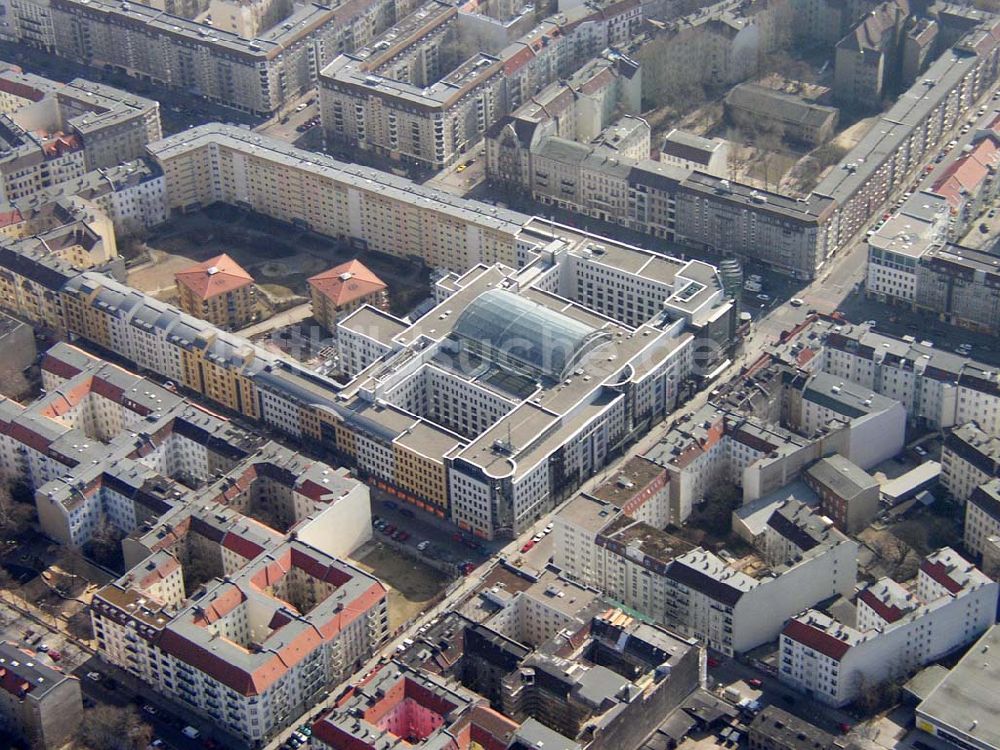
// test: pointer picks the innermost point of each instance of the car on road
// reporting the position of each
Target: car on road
(148, 709)
(424, 545)
(401, 536)
(461, 168)
(796, 302)
(764, 297)
(526, 547)
(871, 322)
(301, 107)
(755, 682)
(95, 676)
(713, 662)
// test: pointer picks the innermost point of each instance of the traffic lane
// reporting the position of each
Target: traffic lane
(167, 719)
(287, 126)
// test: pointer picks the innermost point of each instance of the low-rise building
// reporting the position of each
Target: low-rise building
(39, 703)
(776, 729)
(343, 289)
(898, 630)
(750, 104)
(848, 494)
(960, 710)
(690, 151)
(218, 290)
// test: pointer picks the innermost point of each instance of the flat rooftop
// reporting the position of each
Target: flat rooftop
(964, 702)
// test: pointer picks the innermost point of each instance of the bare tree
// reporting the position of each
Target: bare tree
(16, 517)
(107, 727)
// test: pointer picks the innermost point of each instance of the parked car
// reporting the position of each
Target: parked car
(148, 709)
(55, 655)
(391, 505)
(424, 545)
(796, 302)
(537, 538)
(95, 676)
(389, 530)
(407, 512)
(755, 682)
(764, 297)
(527, 546)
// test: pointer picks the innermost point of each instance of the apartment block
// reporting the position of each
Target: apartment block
(373, 209)
(218, 290)
(878, 169)
(898, 630)
(789, 235)
(632, 676)
(970, 457)
(39, 703)
(405, 96)
(868, 58)
(982, 519)
(131, 196)
(397, 702)
(255, 75)
(730, 606)
(939, 389)
(252, 650)
(55, 132)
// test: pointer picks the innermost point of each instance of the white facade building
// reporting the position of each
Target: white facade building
(898, 630)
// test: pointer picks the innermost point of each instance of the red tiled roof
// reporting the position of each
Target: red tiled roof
(346, 283)
(816, 639)
(967, 173)
(888, 612)
(215, 276)
(939, 573)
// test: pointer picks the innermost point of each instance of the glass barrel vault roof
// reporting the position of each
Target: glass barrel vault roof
(526, 332)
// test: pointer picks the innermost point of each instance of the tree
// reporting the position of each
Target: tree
(877, 696)
(716, 514)
(16, 516)
(107, 727)
(105, 547)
